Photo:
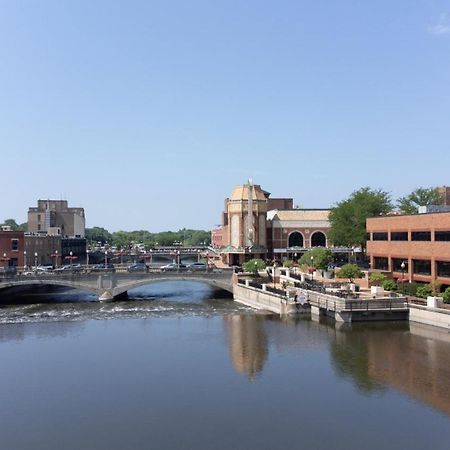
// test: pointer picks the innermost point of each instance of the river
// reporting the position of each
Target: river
(175, 368)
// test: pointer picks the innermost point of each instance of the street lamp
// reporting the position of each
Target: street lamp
(71, 257)
(312, 268)
(106, 259)
(24, 259)
(198, 255)
(178, 259)
(35, 259)
(402, 266)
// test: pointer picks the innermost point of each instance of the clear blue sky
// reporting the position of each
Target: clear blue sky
(148, 113)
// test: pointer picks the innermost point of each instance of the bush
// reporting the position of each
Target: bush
(321, 257)
(446, 295)
(389, 285)
(424, 291)
(349, 271)
(288, 263)
(254, 265)
(410, 288)
(377, 279)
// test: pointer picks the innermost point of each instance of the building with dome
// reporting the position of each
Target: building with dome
(254, 225)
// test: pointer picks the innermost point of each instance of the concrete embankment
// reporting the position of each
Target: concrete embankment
(427, 315)
(268, 301)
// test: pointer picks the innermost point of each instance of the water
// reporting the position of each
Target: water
(176, 369)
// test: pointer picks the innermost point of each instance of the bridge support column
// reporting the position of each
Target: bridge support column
(106, 297)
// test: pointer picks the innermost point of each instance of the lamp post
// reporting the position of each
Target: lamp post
(87, 257)
(35, 259)
(106, 259)
(256, 267)
(402, 266)
(24, 259)
(71, 257)
(198, 255)
(312, 268)
(178, 259)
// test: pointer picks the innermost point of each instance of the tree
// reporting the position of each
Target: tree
(377, 278)
(446, 295)
(97, 234)
(348, 217)
(254, 265)
(11, 223)
(349, 271)
(419, 197)
(321, 257)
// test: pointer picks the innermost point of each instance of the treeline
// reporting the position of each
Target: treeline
(125, 239)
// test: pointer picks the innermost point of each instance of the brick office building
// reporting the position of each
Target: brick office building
(420, 241)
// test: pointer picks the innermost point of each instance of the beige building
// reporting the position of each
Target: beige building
(55, 217)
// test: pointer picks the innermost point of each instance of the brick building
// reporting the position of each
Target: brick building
(12, 246)
(420, 241)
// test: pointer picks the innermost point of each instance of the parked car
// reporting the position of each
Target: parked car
(172, 266)
(197, 266)
(8, 270)
(69, 268)
(137, 267)
(102, 267)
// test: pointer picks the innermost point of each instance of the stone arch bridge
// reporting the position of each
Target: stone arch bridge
(108, 286)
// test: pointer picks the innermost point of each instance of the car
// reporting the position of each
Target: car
(172, 266)
(102, 267)
(69, 268)
(137, 267)
(197, 266)
(238, 269)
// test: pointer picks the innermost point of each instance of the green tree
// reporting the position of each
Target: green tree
(350, 271)
(12, 223)
(389, 285)
(446, 295)
(419, 197)
(97, 234)
(377, 278)
(321, 257)
(254, 265)
(348, 217)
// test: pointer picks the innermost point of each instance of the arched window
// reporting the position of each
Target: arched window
(295, 239)
(318, 239)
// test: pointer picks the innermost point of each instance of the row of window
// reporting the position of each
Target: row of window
(419, 266)
(442, 236)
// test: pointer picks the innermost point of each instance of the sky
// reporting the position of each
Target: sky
(148, 113)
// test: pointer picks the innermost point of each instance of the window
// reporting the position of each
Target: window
(399, 236)
(397, 264)
(443, 269)
(442, 235)
(14, 245)
(421, 236)
(422, 267)
(379, 236)
(380, 263)
(39, 217)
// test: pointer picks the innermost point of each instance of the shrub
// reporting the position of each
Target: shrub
(446, 295)
(389, 285)
(410, 288)
(321, 257)
(424, 291)
(377, 279)
(349, 271)
(254, 265)
(288, 263)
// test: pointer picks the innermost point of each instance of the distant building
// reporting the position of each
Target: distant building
(420, 241)
(445, 192)
(217, 237)
(55, 217)
(54, 250)
(11, 248)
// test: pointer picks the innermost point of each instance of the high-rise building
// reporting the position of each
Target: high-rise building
(54, 217)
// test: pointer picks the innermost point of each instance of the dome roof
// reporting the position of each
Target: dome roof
(241, 193)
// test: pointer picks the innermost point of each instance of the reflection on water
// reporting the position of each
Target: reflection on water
(197, 372)
(248, 343)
